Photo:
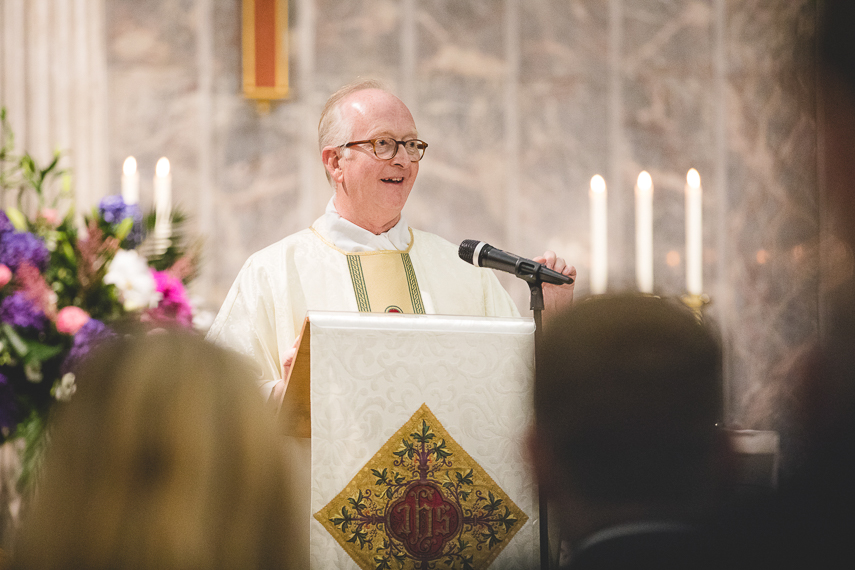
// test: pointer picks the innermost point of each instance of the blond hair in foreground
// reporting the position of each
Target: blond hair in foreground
(164, 459)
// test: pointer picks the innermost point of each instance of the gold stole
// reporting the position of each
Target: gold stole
(385, 282)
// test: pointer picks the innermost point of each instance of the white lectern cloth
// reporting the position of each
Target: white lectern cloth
(371, 372)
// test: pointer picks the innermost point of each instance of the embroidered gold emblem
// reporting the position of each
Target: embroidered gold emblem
(422, 502)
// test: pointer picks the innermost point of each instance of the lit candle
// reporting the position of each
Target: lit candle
(644, 232)
(599, 236)
(130, 181)
(162, 199)
(694, 234)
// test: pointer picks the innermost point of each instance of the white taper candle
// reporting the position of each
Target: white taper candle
(599, 236)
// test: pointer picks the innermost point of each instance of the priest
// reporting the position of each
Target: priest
(361, 255)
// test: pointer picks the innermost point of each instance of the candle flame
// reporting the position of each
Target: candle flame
(598, 185)
(162, 168)
(693, 178)
(129, 167)
(644, 181)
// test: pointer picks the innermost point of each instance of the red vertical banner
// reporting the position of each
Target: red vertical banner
(265, 53)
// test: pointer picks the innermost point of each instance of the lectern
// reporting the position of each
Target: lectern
(417, 427)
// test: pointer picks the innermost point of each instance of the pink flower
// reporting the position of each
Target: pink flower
(174, 306)
(5, 275)
(71, 319)
(50, 215)
(32, 283)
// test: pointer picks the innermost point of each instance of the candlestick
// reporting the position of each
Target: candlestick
(694, 233)
(130, 181)
(599, 236)
(162, 202)
(644, 232)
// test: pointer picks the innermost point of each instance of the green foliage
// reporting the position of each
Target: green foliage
(178, 245)
(343, 521)
(381, 476)
(409, 451)
(33, 430)
(359, 535)
(21, 173)
(493, 503)
(465, 479)
(358, 503)
(491, 537)
(507, 520)
(425, 436)
(440, 451)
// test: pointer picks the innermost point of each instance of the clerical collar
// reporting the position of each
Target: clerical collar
(347, 236)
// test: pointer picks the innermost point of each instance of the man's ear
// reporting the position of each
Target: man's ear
(332, 162)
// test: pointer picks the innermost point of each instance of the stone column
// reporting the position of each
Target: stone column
(54, 87)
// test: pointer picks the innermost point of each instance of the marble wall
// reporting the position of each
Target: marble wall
(521, 102)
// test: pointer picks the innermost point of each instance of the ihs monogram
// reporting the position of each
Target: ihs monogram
(422, 500)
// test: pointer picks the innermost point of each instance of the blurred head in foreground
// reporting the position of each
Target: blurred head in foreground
(626, 400)
(164, 459)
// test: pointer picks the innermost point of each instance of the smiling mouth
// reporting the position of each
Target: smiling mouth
(392, 180)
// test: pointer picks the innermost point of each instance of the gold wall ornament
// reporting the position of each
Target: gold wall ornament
(265, 51)
(422, 502)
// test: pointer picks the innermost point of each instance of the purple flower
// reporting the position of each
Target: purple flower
(113, 210)
(89, 335)
(8, 407)
(135, 236)
(19, 311)
(18, 247)
(5, 225)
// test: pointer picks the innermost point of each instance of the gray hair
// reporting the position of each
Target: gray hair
(333, 130)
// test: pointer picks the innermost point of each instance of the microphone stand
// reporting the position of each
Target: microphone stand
(530, 273)
(535, 287)
(536, 305)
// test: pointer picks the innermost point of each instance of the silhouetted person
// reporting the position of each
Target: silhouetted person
(626, 446)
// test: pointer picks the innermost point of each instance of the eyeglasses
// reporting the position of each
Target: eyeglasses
(386, 147)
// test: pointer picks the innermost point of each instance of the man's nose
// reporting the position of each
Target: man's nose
(400, 157)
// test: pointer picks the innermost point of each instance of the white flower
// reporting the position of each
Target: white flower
(130, 274)
(202, 318)
(65, 388)
(33, 371)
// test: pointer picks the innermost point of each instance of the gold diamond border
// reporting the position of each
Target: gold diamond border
(384, 458)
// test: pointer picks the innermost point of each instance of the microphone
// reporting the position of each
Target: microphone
(481, 254)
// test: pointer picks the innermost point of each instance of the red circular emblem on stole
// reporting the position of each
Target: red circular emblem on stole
(423, 520)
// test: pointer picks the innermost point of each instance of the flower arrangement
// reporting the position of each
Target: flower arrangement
(64, 285)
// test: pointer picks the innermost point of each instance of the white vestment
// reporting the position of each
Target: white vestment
(265, 308)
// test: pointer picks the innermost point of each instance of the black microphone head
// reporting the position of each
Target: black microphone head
(467, 250)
